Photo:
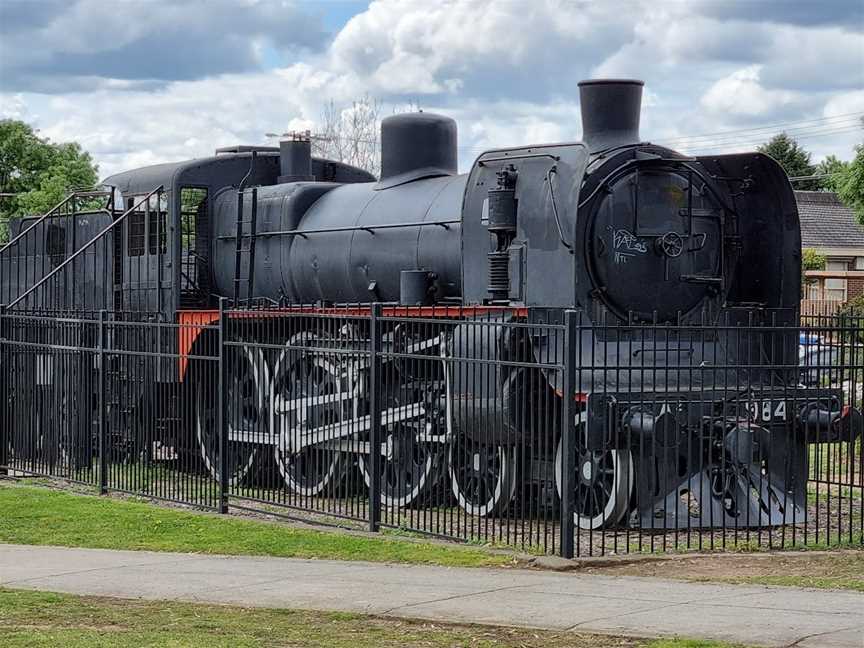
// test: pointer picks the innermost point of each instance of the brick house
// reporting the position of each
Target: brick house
(831, 229)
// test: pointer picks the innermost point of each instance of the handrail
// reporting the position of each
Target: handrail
(80, 251)
(47, 214)
(348, 228)
(41, 218)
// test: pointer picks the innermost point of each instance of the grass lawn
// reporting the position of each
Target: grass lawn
(42, 516)
(822, 570)
(39, 619)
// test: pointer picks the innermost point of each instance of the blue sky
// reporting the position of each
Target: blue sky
(144, 81)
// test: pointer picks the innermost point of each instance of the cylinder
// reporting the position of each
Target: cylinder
(502, 210)
(610, 112)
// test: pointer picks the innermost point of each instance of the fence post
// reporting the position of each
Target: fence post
(845, 335)
(375, 417)
(103, 414)
(4, 418)
(221, 410)
(568, 429)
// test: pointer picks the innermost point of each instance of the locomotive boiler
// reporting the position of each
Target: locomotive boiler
(620, 235)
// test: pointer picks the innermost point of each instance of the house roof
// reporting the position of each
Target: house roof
(827, 222)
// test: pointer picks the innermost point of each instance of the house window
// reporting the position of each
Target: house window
(859, 263)
(835, 289)
(837, 266)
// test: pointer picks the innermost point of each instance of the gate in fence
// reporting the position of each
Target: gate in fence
(565, 437)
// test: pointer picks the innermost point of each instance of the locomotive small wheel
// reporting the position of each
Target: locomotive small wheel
(602, 485)
(482, 477)
(300, 374)
(248, 376)
(409, 465)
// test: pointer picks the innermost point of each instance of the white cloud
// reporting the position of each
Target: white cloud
(741, 93)
(14, 107)
(844, 104)
(506, 71)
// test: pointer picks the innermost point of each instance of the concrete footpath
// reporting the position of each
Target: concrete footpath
(632, 606)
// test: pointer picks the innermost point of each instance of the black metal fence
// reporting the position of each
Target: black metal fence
(738, 434)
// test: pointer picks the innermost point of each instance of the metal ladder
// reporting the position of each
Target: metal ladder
(239, 250)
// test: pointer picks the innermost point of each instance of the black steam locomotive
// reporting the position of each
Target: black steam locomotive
(627, 233)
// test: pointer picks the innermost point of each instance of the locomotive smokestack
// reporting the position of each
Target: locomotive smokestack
(610, 112)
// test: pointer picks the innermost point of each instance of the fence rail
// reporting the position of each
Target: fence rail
(729, 434)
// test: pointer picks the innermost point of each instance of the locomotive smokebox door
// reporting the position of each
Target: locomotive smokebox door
(657, 241)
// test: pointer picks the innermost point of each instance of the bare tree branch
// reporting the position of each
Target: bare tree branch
(350, 135)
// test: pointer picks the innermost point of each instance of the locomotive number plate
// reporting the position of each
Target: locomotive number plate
(768, 410)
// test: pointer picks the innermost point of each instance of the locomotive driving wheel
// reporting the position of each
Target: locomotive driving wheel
(245, 409)
(602, 484)
(410, 464)
(482, 476)
(309, 391)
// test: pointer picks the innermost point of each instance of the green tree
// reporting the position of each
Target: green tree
(849, 183)
(810, 260)
(38, 173)
(833, 167)
(793, 158)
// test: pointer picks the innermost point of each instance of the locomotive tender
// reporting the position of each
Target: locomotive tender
(625, 232)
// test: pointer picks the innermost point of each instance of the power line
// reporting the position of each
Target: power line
(756, 142)
(726, 142)
(773, 127)
(792, 132)
(719, 139)
(817, 176)
(800, 129)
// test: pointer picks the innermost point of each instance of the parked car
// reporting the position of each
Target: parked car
(818, 359)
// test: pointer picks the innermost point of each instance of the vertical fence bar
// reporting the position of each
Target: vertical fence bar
(375, 417)
(221, 410)
(5, 426)
(103, 418)
(568, 446)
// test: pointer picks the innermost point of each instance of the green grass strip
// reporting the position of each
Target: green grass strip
(42, 516)
(40, 619)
